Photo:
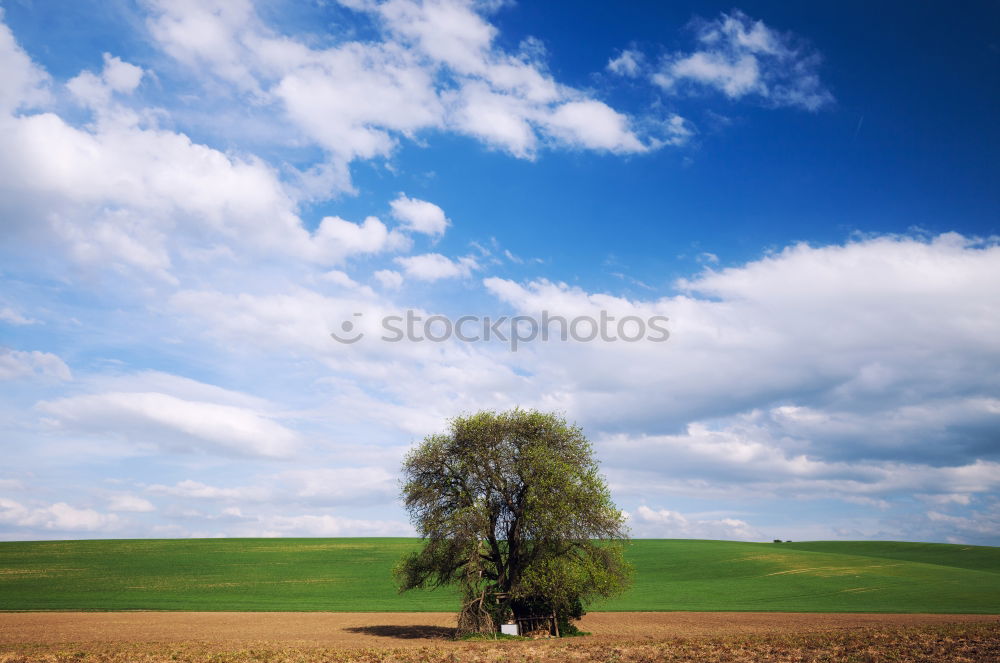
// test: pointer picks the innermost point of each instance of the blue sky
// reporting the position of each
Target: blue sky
(196, 194)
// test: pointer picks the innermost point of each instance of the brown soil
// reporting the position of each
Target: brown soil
(358, 630)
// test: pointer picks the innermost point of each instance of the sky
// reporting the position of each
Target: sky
(763, 238)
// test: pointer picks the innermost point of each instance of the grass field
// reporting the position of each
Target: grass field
(354, 575)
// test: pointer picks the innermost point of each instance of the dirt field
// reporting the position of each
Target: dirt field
(638, 637)
(360, 630)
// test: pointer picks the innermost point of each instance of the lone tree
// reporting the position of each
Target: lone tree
(512, 509)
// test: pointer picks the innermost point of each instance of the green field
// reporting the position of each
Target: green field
(354, 575)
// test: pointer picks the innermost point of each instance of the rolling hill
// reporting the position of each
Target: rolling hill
(355, 575)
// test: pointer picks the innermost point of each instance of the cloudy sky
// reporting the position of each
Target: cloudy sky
(194, 194)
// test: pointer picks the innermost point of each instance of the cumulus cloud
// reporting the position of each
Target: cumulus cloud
(434, 266)
(436, 66)
(594, 125)
(336, 238)
(60, 517)
(814, 371)
(419, 215)
(667, 524)
(978, 525)
(130, 503)
(739, 56)
(125, 193)
(388, 278)
(875, 320)
(627, 63)
(24, 84)
(417, 385)
(95, 90)
(355, 99)
(756, 462)
(864, 370)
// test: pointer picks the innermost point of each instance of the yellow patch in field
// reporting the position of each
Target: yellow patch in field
(35, 572)
(767, 556)
(308, 548)
(834, 571)
(792, 571)
(255, 583)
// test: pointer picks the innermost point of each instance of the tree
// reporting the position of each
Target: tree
(513, 510)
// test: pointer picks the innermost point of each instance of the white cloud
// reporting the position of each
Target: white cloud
(130, 503)
(342, 485)
(628, 63)
(739, 56)
(664, 523)
(734, 77)
(178, 386)
(173, 423)
(111, 194)
(353, 100)
(517, 260)
(20, 363)
(448, 32)
(946, 498)
(335, 239)
(500, 120)
(812, 372)
(980, 524)
(436, 66)
(60, 517)
(434, 266)
(863, 372)
(594, 125)
(755, 462)
(419, 215)
(886, 321)
(389, 279)
(117, 77)
(325, 525)
(675, 130)
(323, 486)
(23, 84)
(13, 317)
(297, 321)
(343, 281)
(190, 489)
(127, 195)
(207, 33)
(411, 387)
(340, 278)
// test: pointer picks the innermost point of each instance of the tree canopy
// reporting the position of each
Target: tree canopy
(512, 508)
